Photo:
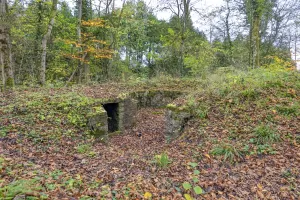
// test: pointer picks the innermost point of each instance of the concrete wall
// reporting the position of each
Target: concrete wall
(128, 106)
(155, 98)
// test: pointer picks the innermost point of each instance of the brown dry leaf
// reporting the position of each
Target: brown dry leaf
(260, 194)
(259, 186)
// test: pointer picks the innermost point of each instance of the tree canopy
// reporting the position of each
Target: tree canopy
(55, 42)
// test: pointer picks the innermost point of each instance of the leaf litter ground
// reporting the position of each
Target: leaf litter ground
(64, 163)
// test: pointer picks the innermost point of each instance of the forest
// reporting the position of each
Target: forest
(111, 99)
(53, 42)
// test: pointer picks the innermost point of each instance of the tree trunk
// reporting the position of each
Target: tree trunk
(5, 52)
(228, 35)
(2, 69)
(79, 18)
(44, 43)
(256, 10)
(256, 42)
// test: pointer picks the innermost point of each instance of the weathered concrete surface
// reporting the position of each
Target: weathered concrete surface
(127, 113)
(128, 104)
(97, 118)
(176, 119)
(155, 98)
(97, 121)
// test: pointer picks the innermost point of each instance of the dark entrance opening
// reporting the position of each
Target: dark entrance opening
(112, 110)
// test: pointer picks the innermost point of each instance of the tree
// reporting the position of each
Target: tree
(5, 48)
(44, 42)
(181, 10)
(255, 10)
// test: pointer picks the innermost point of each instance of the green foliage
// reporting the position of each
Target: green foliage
(19, 187)
(83, 148)
(189, 187)
(3, 131)
(228, 151)
(72, 183)
(292, 110)
(198, 190)
(193, 165)
(250, 94)
(162, 160)
(2, 163)
(202, 112)
(186, 185)
(201, 59)
(265, 134)
(264, 149)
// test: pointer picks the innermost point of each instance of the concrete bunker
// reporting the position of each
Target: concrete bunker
(119, 114)
(112, 110)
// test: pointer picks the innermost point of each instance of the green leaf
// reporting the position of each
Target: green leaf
(198, 190)
(188, 197)
(186, 185)
(178, 189)
(193, 164)
(195, 180)
(196, 172)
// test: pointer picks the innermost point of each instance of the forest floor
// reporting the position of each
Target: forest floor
(246, 146)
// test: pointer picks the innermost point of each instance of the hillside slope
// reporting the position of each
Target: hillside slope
(243, 142)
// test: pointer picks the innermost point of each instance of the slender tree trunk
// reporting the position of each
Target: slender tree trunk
(256, 42)
(2, 69)
(295, 45)
(44, 43)
(87, 77)
(11, 60)
(228, 36)
(5, 51)
(185, 20)
(37, 44)
(79, 18)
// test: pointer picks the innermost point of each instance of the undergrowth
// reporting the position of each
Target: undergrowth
(241, 114)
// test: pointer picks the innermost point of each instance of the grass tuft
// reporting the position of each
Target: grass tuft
(265, 134)
(228, 151)
(162, 160)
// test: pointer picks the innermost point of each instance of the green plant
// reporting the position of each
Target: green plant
(35, 137)
(56, 174)
(297, 139)
(292, 110)
(2, 163)
(73, 182)
(92, 154)
(250, 94)
(3, 132)
(265, 134)
(287, 173)
(202, 112)
(228, 151)
(187, 186)
(84, 148)
(198, 190)
(265, 149)
(162, 160)
(192, 164)
(191, 102)
(20, 187)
